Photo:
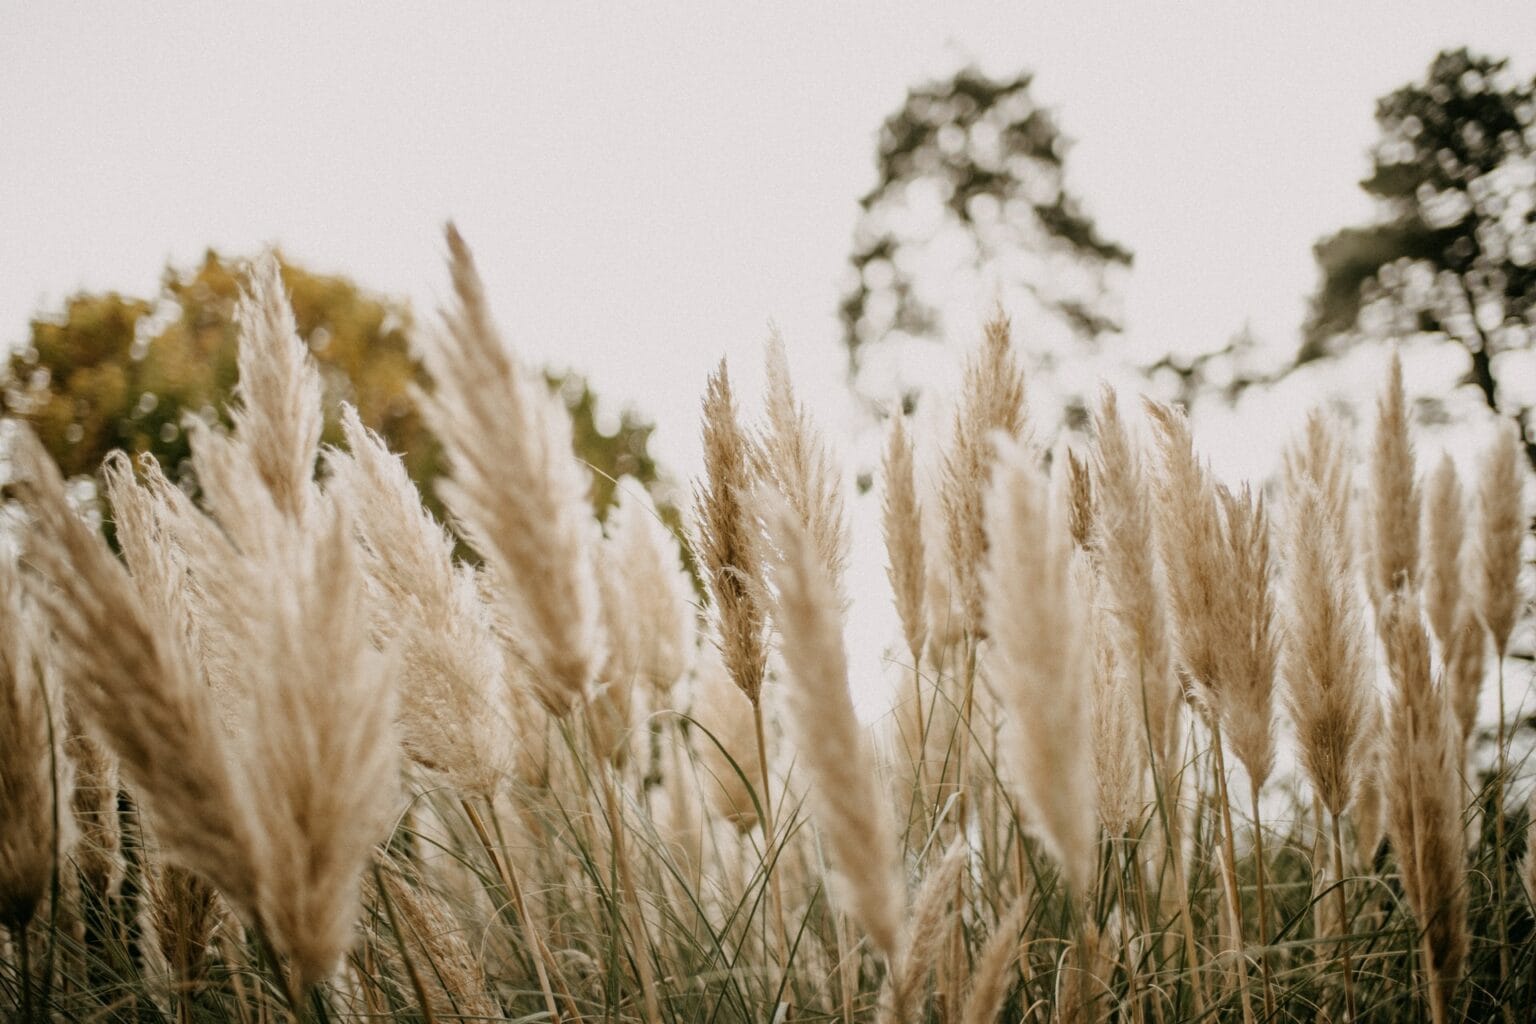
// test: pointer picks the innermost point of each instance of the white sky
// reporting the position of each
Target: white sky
(646, 185)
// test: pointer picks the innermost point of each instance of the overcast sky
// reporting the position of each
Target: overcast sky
(646, 185)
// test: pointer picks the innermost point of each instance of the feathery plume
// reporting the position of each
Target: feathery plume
(726, 541)
(1445, 524)
(1423, 800)
(35, 781)
(431, 936)
(1394, 509)
(131, 680)
(277, 418)
(322, 751)
(991, 403)
(902, 519)
(926, 930)
(1117, 737)
(516, 488)
(1037, 618)
(661, 599)
(1500, 528)
(1125, 545)
(847, 801)
(1192, 546)
(1319, 458)
(1249, 654)
(792, 456)
(94, 805)
(1326, 670)
(453, 714)
(1465, 663)
(1083, 503)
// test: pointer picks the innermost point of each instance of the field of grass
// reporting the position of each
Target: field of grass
(1163, 750)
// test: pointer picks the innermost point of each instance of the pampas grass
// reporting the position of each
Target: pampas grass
(335, 760)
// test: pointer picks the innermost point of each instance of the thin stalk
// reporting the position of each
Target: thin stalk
(1229, 871)
(1439, 997)
(922, 744)
(1344, 929)
(770, 855)
(515, 893)
(1499, 851)
(1258, 867)
(631, 900)
(1132, 995)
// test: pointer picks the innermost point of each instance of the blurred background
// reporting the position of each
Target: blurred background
(1235, 206)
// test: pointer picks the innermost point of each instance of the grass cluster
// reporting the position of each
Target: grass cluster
(280, 755)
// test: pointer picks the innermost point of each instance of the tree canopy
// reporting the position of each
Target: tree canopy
(1452, 256)
(114, 371)
(972, 175)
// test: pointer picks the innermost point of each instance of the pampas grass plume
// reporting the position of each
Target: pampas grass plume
(848, 802)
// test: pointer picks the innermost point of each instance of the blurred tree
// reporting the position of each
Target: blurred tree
(1453, 254)
(971, 174)
(111, 371)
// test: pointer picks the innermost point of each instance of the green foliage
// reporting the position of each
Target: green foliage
(113, 371)
(993, 162)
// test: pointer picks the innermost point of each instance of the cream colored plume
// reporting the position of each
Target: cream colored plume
(1125, 545)
(130, 676)
(726, 539)
(35, 777)
(902, 520)
(1038, 619)
(515, 488)
(1394, 496)
(848, 801)
(992, 403)
(453, 702)
(659, 597)
(792, 455)
(1327, 670)
(322, 755)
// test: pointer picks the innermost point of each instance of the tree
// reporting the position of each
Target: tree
(1452, 257)
(971, 173)
(112, 371)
